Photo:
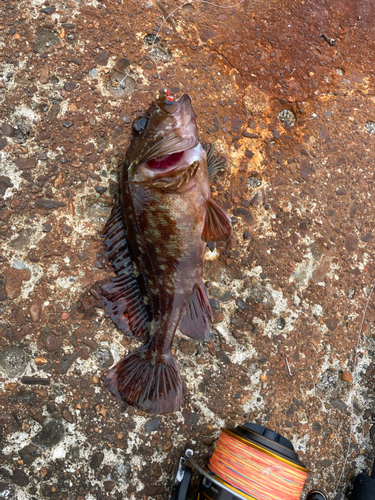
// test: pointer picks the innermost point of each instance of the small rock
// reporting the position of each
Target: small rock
(50, 435)
(321, 271)
(109, 485)
(122, 64)
(100, 189)
(223, 357)
(47, 228)
(25, 163)
(35, 311)
(44, 74)
(347, 377)
(29, 454)
(14, 279)
(13, 360)
(331, 323)
(152, 424)
(102, 58)
(69, 86)
(67, 415)
(52, 343)
(32, 256)
(121, 472)
(351, 243)
(351, 293)
(168, 445)
(40, 361)
(236, 124)
(94, 73)
(253, 182)
(35, 381)
(49, 204)
(338, 404)
(20, 478)
(208, 440)
(245, 215)
(218, 317)
(44, 39)
(187, 347)
(96, 460)
(5, 183)
(155, 470)
(48, 10)
(226, 296)
(8, 130)
(280, 323)
(316, 427)
(152, 491)
(366, 237)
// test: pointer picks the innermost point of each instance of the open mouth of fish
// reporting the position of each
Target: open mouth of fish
(165, 162)
(172, 165)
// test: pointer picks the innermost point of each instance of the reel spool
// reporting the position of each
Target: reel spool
(249, 462)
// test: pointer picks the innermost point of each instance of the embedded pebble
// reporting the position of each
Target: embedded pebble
(50, 435)
(35, 311)
(13, 360)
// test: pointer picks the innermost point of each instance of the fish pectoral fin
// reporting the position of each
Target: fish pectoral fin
(121, 296)
(217, 223)
(148, 381)
(194, 322)
(215, 163)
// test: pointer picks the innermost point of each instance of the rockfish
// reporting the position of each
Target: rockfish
(156, 239)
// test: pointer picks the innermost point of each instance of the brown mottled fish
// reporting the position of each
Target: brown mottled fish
(156, 239)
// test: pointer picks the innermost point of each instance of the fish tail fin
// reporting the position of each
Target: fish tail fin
(148, 381)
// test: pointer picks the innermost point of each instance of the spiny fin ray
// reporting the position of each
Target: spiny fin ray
(121, 296)
(215, 163)
(194, 322)
(217, 224)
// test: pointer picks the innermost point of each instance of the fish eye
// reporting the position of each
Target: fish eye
(139, 125)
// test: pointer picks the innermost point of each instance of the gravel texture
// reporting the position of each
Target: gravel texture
(288, 291)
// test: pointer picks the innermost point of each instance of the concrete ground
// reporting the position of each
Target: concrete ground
(285, 90)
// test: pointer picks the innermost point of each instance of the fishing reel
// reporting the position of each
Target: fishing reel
(231, 475)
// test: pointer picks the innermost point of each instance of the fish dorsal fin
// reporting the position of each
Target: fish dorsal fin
(217, 224)
(122, 297)
(194, 322)
(215, 163)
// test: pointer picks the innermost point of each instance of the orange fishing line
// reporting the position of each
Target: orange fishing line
(255, 472)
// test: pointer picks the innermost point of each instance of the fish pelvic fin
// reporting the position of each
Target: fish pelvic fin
(121, 296)
(148, 380)
(194, 321)
(215, 163)
(217, 224)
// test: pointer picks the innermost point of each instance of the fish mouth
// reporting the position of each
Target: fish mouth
(165, 162)
(169, 165)
(169, 135)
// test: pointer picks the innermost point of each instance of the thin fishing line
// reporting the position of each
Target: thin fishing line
(353, 391)
(178, 8)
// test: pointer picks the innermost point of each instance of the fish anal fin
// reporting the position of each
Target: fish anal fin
(215, 163)
(194, 322)
(152, 383)
(217, 223)
(121, 296)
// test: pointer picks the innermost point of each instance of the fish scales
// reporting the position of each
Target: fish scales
(167, 217)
